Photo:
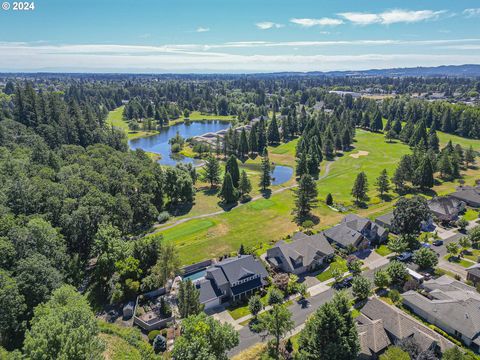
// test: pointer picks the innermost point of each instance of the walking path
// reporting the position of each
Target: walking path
(255, 198)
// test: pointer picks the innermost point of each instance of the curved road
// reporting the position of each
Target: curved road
(255, 198)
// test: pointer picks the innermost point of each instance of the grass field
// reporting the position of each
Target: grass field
(115, 118)
(338, 263)
(117, 348)
(462, 262)
(383, 250)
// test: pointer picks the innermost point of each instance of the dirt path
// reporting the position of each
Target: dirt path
(255, 198)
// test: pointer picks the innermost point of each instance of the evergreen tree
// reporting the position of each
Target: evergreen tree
(383, 183)
(424, 174)
(447, 121)
(469, 156)
(188, 299)
(212, 170)
(445, 166)
(312, 165)
(433, 142)
(305, 197)
(397, 126)
(330, 333)
(228, 193)
(302, 165)
(273, 133)
(329, 199)
(377, 123)
(244, 186)
(265, 177)
(360, 187)
(243, 145)
(346, 140)
(252, 141)
(232, 167)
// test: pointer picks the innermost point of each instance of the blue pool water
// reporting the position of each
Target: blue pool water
(195, 276)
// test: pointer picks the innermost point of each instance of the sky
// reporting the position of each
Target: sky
(236, 36)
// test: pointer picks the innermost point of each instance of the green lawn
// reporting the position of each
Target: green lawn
(197, 115)
(338, 263)
(115, 118)
(383, 250)
(470, 215)
(474, 256)
(462, 262)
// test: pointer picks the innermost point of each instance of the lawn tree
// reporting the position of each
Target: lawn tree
(462, 224)
(465, 244)
(275, 296)
(381, 279)
(453, 249)
(329, 199)
(232, 167)
(423, 176)
(188, 299)
(203, 337)
(277, 323)
(302, 165)
(265, 176)
(337, 274)
(383, 183)
(330, 333)
(244, 186)
(408, 215)
(361, 287)
(273, 134)
(469, 156)
(360, 187)
(228, 193)
(425, 258)
(354, 265)
(398, 272)
(377, 123)
(159, 344)
(255, 305)
(397, 245)
(212, 170)
(474, 236)
(63, 328)
(243, 145)
(454, 353)
(305, 198)
(390, 135)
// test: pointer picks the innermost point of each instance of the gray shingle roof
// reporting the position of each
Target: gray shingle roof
(309, 248)
(343, 235)
(445, 207)
(373, 337)
(474, 270)
(400, 325)
(239, 267)
(452, 303)
(468, 194)
(208, 290)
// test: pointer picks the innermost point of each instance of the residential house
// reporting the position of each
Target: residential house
(468, 194)
(232, 279)
(473, 274)
(304, 253)
(450, 305)
(355, 231)
(386, 221)
(446, 208)
(372, 336)
(398, 326)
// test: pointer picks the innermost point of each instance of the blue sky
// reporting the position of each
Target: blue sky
(238, 36)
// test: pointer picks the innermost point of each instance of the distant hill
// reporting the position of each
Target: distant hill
(468, 70)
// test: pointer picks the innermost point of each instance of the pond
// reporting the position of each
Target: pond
(280, 174)
(159, 143)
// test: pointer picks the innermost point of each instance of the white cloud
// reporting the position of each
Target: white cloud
(471, 12)
(199, 58)
(306, 22)
(391, 16)
(201, 29)
(266, 25)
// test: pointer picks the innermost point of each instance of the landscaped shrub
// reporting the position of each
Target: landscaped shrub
(163, 217)
(159, 344)
(176, 148)
(152, 334)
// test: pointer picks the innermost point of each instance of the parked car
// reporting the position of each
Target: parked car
(405, 256)
(426, 245)
(345, 283)
(438, 242)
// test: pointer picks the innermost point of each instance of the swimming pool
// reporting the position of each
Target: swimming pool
(195, 276)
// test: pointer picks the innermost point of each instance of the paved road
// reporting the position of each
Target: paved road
(299, 315)
(442, 250)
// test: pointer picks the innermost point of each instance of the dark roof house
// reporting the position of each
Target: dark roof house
(231, 279)
(446, 208)
(304, 253)
(373, 337)
(354, 229)
(468, 194)
(399, 325)
(451, 305)
(473, 274)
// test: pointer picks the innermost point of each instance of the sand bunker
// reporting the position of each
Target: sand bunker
(360, 153)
